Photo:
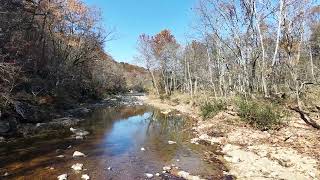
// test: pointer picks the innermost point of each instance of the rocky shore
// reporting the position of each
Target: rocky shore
(30, 121)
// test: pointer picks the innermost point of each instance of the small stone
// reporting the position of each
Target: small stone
(109, 168)
(148, 175)
(85, 177)
(166, 168)
(51, 168)
(73, 130)
(164, 172)
(77, 167)
(183, 174)
(79, 137)
(178, 160)
(60, 156)
(2, 139)
(172, 142)
(63, 177)
(6, 174)
(69, 147)
(142, 149)
(157, 174)
(78, 154)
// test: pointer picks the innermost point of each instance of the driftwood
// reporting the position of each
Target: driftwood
(304, 116)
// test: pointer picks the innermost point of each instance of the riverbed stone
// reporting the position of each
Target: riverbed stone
(78, 154)
(148, 175)
(77, 167)
(62, 177)
(85, 177)
(166, 168)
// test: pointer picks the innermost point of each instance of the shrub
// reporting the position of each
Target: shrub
(262, 115)
(210, 109)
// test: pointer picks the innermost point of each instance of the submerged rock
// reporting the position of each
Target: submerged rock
(187, 176)
(78, 154)
(85, 177)
(77, 167)
(63, 177)
(79, 137)
(148, 175)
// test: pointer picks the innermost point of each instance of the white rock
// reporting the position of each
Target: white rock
(157, 174)
(85, 177)
(77, 167)
(148, 175)
(78, 154)
(79, 137)
(109, 168)
(51, 168)
(60, 156)
(166, 112)
(73, 130)
(2, 139)
(172, 142)
(69, 147)
(63, 177)
(166, 168)
(6, 174)
(178, 160)
(164, 172)
(79, 132)
(183, 174)
(142, 149)
(194, 141)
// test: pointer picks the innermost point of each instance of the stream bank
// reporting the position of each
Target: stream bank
(289, 153)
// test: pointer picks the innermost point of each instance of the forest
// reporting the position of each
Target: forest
(262, 49)
(51, 55)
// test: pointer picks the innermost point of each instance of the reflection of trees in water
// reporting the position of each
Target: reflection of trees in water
(103, 119)
(162, 128)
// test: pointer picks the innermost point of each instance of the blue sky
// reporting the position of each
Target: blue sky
(131, 18)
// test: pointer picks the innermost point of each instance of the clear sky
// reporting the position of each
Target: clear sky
(134, 17)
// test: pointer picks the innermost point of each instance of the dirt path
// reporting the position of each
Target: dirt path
(293, 152)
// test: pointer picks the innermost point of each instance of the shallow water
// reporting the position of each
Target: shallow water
(116, 138)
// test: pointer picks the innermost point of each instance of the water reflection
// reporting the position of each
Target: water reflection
(117, 134)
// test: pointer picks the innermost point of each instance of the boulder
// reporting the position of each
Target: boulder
(4, 127)
(29, 113)
(8, 126)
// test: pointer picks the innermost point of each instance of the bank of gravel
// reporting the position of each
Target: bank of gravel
(289, 153)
